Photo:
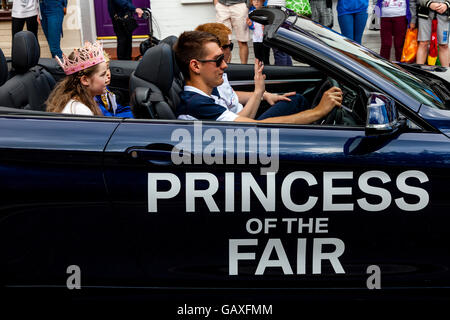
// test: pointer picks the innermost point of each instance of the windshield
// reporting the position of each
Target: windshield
(396, 75)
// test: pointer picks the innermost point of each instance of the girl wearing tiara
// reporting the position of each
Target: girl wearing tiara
(107, 101)
(86, 77)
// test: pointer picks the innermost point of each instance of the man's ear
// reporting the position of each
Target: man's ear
(84, 80)
(194, 67)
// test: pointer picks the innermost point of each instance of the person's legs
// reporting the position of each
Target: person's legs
(315, 10)
(297, 104)
(17, 25)
(360, 20)
(386, 29)
(44, 18)
(321, 13)
(124, 41)
(422, 52)
(32, 25)
(400, 24)
(443, 55)
(266, 55)
(423, 39)
(243, 52)
(258, 50)
(281, 58)
(239, 14)
(52, 19)
(223, 15)
(54, 33)
(129, 45)
(346, 25)
(443, 38)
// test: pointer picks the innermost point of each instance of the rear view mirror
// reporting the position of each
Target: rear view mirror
(382, 115)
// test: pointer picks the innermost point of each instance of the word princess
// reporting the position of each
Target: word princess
(211, 146)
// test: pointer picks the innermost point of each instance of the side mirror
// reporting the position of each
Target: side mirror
(382, 115)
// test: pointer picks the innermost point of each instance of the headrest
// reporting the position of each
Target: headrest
(156, 66)
(25, 51)
(171, 40)
(3, 68)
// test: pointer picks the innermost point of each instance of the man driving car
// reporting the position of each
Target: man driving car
(235, 100)
(202, 63)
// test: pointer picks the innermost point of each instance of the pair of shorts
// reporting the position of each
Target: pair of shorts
(321, 13)
(442, 29)
(235, 18)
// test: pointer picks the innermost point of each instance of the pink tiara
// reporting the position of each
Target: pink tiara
(89, 55)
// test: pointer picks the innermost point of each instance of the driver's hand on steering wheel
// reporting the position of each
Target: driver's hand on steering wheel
(330, 99)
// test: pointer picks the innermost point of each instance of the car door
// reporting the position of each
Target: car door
(334, 206)
(175, 240)
(54, 210)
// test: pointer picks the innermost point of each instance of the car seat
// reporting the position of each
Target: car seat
(3, 68)
(156, 84)
(30, 85)
(178, 79)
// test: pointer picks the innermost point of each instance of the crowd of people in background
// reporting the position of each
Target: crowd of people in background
(85, 89)
(48, 13)
(396, 17)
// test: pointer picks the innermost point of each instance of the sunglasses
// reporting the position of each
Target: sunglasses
(230, 45)
(218, 61)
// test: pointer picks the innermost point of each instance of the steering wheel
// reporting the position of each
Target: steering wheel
(330, 118)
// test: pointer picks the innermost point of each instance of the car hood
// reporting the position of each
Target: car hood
(438, 71)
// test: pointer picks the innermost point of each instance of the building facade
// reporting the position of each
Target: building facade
(88, 20)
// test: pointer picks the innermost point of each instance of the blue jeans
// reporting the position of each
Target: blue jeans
(52, 18)
(283, 108)
(352, 25)
(281, 58)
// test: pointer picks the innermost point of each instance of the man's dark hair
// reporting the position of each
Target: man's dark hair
(191, 45)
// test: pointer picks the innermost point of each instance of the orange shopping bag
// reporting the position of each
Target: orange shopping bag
(410, 46)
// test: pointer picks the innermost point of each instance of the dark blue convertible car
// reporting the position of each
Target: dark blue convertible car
(356, 205)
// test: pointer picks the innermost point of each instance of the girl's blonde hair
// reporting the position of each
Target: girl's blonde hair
(72, 88)
(107, 56)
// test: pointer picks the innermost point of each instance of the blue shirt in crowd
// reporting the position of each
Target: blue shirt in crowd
(351, 6)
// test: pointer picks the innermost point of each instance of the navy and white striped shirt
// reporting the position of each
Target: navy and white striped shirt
(197, 105)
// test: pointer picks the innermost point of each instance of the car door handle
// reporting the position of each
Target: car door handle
(157, 154)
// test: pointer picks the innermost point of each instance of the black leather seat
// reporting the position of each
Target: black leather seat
(156, 83)
(31, 84)
(3, 68)
(178, 79)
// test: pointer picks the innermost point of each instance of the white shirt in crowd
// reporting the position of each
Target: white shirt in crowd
(393, 8)
(25, 8)
(258, 32)
(76, 107)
